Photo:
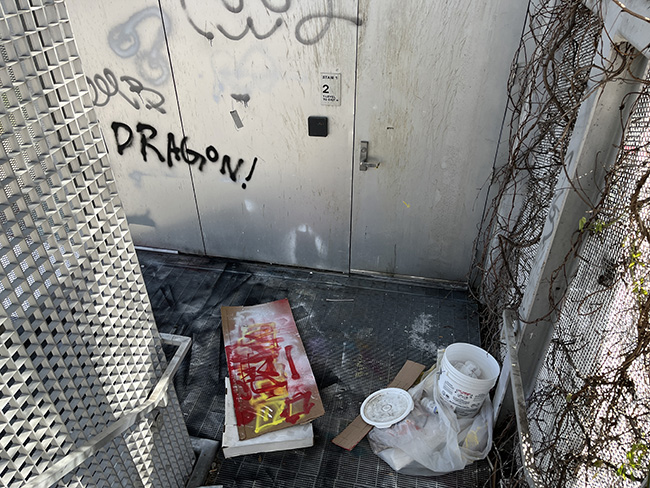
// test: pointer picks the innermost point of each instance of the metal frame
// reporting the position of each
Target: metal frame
(157, 398)
(81, 360)
(527, 337)
(531, 470)
(595, 131)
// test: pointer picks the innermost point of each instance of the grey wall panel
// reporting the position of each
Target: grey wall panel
(123, 45)
(430, 100)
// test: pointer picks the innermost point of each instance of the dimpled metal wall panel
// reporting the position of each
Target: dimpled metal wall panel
(79, 348)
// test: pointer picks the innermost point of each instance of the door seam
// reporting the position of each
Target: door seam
(354, 133)
(180, 116)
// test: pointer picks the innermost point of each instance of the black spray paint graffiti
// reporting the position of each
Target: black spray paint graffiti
(241, 98)
(106, 86)
(125, 42)
(320, 23)
(124, 139)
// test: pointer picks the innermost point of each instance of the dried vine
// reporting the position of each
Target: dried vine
(604, 411)
(589, 422)
(549, 77)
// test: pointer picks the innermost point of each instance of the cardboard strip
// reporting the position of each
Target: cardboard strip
(358, 429)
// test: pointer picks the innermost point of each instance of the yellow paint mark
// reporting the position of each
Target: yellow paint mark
(295, 405)
(407, 205)
(471, 441)
(360, 369)
(268, 415)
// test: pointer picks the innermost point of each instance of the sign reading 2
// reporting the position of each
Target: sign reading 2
(330, 89)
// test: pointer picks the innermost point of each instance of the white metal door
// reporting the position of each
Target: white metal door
(205, 107)
(431, 84)
(122, 44)
(249, 75)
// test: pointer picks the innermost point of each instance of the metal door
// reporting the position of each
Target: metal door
(431, 81)
(249, 77)
(122, 44)
(206, 108)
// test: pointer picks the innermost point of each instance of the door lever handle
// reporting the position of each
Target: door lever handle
(364, 164)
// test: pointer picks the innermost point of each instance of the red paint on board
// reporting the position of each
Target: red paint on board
(294, 372)
(270, 390)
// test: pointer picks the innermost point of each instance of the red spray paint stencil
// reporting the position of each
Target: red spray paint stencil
(273, 386)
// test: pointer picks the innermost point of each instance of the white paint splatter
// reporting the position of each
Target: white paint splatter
(419, 333)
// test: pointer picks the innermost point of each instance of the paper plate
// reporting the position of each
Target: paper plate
(386, 407)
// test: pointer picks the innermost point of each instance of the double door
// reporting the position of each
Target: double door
(327, 134)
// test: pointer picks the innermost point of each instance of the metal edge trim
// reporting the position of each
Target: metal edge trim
(527, 452)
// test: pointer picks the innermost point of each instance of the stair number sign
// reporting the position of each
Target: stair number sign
(330, 87)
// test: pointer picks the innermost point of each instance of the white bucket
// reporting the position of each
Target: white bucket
(461, 392)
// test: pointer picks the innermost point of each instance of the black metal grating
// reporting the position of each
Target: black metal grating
(357, 332)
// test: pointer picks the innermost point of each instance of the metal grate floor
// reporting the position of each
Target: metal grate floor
(357, 332)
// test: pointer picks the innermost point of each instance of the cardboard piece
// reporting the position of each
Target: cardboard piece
(358, 429)
(296, 437)
(272, 383)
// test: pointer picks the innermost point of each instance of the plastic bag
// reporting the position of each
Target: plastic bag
(432, 440)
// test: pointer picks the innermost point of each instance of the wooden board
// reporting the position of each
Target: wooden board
(294, 437)
(272, 382)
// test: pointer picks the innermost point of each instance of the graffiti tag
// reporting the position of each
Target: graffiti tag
(124, 138)
(125, 42)
(105, 86)
(261, 383)
(309, 30)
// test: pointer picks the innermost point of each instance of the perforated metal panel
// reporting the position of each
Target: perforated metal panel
(538, 143)
(78, 345)
(598, 331)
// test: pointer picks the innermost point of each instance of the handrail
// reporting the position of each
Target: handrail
(158, 396)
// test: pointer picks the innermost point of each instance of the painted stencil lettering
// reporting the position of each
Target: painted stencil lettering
(175, 152)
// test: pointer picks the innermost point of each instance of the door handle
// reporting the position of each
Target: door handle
(364, 164)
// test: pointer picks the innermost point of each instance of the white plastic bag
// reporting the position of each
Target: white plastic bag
(427, 443)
